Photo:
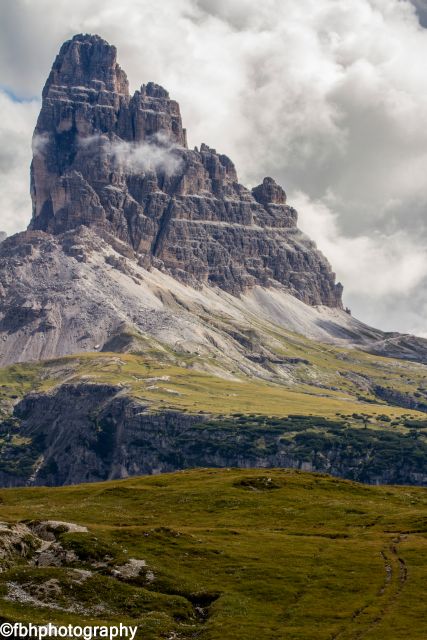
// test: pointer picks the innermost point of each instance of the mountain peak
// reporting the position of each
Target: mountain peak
(87, 61)
(120, 165)
(154, 90)
(125, 214)
(269, 192)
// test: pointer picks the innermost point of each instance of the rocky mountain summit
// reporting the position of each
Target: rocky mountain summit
(134, 236)
(203, 328)
(120, 164)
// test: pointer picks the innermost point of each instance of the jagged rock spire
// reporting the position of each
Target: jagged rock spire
(120, 164)
(87, 61)
(269, 192)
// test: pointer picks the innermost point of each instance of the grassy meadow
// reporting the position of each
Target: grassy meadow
(265, 554)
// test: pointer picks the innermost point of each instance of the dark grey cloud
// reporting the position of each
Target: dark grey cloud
(328, 97)
(421, 7)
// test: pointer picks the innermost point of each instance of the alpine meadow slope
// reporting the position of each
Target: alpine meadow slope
(219, 555)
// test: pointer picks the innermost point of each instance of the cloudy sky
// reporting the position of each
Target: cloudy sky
(327, 96)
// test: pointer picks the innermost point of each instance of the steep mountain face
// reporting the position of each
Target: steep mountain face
(132, 229)
(120, 164)
(190, 295)
(111, 435)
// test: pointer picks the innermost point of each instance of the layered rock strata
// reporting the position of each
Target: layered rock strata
(120, 163)
(111, 435)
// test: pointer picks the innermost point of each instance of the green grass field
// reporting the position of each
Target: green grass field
(234, 554)
(181, 384)
(337, 385)
(270, 554)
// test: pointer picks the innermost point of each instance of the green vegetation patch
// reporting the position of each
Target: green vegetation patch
(91, 548)
(315, 558)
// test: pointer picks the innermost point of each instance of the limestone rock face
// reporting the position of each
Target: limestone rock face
(269, 193)
(127, 440)
(120, 164)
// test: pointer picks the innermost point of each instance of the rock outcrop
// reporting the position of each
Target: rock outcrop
(112, 435)
(124, 215)
(77, 291)
(120, 164)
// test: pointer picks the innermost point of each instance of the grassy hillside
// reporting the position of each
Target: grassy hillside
(229, 555)
(326, 382)
(375, 408)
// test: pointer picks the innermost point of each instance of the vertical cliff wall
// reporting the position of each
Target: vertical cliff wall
(119, 163)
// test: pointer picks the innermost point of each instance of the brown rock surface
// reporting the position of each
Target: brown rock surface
(125, 217)
(120, 164)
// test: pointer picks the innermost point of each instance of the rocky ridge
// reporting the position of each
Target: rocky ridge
(84, 290)
(112, 435)
(119, 163)
(132, 229)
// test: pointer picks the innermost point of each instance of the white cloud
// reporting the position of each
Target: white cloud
(385, 275)
(156, 154)
(39, 143)
(375, 265)
(16, 128)
(328, 97)
(146, 156)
